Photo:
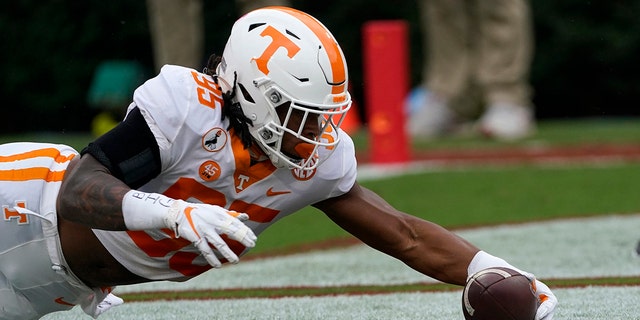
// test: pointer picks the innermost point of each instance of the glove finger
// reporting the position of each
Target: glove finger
(207, 253)
(547, 306)
(109, 302)
(239, 215)
(112, 300)
(545, 311)
(222, 247)
(243, 235)
(238, 231)
(548, 301)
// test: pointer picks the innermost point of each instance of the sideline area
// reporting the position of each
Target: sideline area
(602, 246)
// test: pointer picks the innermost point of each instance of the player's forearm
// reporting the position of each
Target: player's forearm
(438, 253)
(422, 245)
(90, 195)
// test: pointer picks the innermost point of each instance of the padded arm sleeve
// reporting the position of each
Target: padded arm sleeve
(129, 151)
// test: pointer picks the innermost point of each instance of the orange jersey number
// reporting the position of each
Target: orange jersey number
(209, 92)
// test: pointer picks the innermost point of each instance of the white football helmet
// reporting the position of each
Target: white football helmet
(278, 56)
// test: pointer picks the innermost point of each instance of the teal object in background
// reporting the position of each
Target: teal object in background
(113, 84)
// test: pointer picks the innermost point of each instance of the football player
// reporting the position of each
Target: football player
(201, 164)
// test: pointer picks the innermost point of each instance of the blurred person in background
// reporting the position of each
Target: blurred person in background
(477, 68)
(177, 29)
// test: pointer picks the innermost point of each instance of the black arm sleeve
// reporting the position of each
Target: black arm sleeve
(129, 151)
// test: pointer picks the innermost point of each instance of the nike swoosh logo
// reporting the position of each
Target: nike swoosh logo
(62, 302)
(187, 213)
(271, 193)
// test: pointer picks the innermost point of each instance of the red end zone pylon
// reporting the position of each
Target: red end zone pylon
(351, 123)
(386, 70)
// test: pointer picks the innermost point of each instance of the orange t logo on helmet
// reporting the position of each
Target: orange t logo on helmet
(278, 40)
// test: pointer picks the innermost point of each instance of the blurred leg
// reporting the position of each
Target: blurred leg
(446, 27)
(177, 32)
(505, 47)
(446, 66)
(504, 58)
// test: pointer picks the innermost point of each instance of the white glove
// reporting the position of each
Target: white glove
(99, 302)
(547, 301)
(109, 302)
(202, 224)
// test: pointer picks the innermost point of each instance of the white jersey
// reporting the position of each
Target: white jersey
(203, 162)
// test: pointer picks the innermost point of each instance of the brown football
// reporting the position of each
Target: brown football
(499, 294)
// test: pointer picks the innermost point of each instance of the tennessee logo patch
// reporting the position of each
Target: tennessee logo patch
(214, 140)
(13, 214)
(209, 171)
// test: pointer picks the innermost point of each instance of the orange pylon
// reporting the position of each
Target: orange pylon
(352, 122)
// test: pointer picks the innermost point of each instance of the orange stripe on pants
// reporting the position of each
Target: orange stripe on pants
(34, 173)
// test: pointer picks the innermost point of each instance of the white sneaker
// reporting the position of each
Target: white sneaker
(503, 121)
(432, 118)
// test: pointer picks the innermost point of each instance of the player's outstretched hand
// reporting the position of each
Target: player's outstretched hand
(202, 224)
(547, 301)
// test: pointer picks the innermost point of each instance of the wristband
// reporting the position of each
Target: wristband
(143, 211)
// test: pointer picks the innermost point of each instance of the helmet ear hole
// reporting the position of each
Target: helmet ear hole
(245, 93)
